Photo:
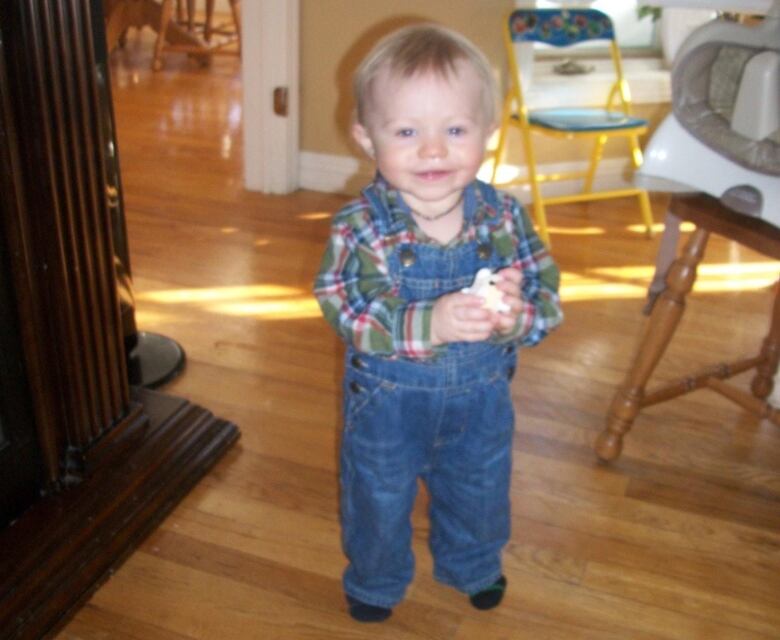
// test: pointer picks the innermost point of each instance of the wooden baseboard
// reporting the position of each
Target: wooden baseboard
(63, 548)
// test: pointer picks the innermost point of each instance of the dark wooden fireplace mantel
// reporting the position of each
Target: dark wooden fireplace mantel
(98, 463)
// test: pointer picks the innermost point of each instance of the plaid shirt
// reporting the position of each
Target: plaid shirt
(360, 300)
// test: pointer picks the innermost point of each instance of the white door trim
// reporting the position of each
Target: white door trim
(270, 59)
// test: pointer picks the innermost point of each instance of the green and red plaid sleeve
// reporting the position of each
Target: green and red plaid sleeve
(356, 294)
(541, 312)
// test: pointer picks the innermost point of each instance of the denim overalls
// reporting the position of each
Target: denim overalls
(448, 420)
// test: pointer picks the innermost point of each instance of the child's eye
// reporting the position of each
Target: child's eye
(405, 133)
(456, 131)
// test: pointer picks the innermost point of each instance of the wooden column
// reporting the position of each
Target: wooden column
(64, 257)
(115, 459)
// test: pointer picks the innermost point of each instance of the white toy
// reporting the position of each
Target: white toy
(484, 286)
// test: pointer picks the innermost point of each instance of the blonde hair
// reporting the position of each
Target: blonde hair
(419, 49)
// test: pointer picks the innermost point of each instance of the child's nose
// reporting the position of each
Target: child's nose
(433, 147)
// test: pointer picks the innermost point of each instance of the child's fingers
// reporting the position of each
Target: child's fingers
(472, 313)
(467, 300)
(505, 323)
(476, 331)
(510, 274)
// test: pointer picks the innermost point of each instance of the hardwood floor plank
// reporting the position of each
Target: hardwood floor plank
(204, 605)
(735, 616)
(94, 623)
(705, 572)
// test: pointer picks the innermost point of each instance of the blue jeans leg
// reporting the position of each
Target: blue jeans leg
(469, 485)
(379, 470)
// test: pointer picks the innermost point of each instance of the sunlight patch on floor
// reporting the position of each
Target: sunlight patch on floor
(268, 301)
(280, 302)
(293, 309)
(576, 231)
(658, 227)
(315, 215)
(632, 282)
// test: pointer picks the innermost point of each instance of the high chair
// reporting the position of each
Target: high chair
(565, 28)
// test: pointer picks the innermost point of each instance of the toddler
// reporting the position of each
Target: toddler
(428, 366)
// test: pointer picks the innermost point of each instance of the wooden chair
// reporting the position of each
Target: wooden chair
(567, 28)
(205, 38)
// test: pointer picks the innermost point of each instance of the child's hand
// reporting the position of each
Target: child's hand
(459, 317)
(509, 284)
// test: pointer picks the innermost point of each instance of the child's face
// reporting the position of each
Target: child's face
(427, 134)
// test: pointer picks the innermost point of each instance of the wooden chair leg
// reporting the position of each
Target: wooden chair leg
(166, 13)
(191, 16)
(763, 381)
(209, 23)
(661, 326)
(235, 8)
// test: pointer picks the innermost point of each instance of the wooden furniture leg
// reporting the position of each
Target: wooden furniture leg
(661, 326)
(763, 381)
(166, 12)
(235, 9)
(190, 15)
(209, 26)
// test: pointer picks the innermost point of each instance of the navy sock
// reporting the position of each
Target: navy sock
(363, 612)
(490, 596)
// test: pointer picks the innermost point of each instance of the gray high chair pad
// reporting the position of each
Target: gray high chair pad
(705, 83)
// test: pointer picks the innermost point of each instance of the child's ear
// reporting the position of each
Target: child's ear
(361, 136)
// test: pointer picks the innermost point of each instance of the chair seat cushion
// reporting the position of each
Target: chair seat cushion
(583, 119)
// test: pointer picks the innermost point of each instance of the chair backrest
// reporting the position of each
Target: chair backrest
(559, 28)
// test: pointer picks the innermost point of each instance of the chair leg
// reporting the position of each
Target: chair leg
(595, 158)
(540, 215)
(763, 381)
(503, 130)
(166, 13)
(647, 212)
(636, 152)
(235, 8)
(208, 24)
(661, 326)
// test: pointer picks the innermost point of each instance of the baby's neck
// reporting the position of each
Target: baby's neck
(444, 230)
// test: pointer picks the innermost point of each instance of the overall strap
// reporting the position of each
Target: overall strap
(490, 195)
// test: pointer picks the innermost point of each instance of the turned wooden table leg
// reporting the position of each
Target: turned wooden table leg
(665, 316)
(763, 381)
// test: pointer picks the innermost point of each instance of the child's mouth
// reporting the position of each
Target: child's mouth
(433, 175)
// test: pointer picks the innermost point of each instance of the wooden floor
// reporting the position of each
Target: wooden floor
(678, 539)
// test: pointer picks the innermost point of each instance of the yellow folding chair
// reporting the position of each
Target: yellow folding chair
(565, 28)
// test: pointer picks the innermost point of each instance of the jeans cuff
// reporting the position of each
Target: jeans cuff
(372, 599)
(472, 587)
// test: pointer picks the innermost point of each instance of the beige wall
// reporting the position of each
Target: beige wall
(336, 34)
